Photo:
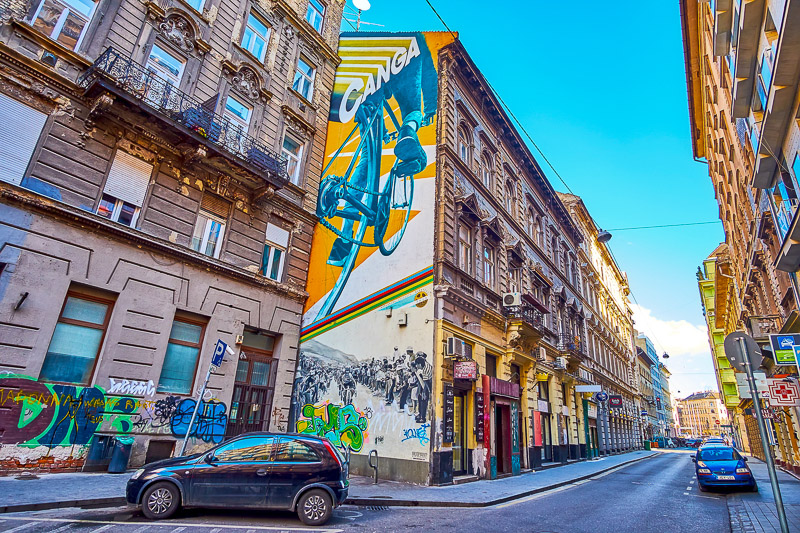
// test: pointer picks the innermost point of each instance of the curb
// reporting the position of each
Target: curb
(120, 501)
(425, 503)
(96, 502)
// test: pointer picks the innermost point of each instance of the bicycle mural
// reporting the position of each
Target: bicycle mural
(372, 253)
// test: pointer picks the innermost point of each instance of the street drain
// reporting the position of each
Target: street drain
(377, 508)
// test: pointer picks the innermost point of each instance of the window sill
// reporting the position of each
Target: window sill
(249, 55)
(70, 214)
(303, 99)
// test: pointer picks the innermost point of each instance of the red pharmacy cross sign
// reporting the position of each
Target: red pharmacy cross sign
(783, 393)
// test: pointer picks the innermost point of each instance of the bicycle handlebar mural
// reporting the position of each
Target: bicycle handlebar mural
(371, 266)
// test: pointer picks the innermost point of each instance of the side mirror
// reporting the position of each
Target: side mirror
(744, 458)
(210, 459)
(694, 459)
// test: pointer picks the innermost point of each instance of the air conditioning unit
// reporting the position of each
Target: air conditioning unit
(457, 347)
(540, 353)
(561, 362)
(512, 299)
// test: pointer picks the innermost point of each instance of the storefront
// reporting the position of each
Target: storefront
(592, 443)
(503, 438)
(542, 423)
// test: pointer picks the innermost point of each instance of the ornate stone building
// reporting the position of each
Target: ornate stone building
(158, 176)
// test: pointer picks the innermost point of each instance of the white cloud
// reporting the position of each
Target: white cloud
(687, 345)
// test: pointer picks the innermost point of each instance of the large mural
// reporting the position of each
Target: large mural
(365, 373)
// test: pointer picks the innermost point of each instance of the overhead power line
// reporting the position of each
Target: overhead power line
(666, 225)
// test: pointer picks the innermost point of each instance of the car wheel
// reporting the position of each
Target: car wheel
(315, 507)
(160, 501)
(754, 488)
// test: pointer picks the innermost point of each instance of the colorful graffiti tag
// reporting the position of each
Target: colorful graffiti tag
(209, 425)
(44, 414)
(344, 426)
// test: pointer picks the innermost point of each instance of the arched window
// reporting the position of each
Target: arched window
(539, 238)
(486, 171)
(530, 224)
(509, 197)
(463, 145)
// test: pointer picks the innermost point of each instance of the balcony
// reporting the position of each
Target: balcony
(723, 25)
(762, 326)
(205, 135)
(781, 86)
(525, 326)
(750, 23)
(570, 346)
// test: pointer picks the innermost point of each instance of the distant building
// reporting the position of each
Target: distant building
(702, 415)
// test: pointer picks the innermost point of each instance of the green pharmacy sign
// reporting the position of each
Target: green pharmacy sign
(785, 348)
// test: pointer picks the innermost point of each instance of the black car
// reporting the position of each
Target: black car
(291, 472)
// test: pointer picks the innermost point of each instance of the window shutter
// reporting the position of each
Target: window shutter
(19, 131)
(128, 178)
(277, 236)
(215, 205)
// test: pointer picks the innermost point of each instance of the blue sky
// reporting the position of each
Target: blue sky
(601, 88)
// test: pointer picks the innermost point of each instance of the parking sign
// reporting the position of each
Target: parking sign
(219, 353)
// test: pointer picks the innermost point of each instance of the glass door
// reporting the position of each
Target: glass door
(459, 453)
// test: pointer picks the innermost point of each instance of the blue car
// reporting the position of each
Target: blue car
(722, 466)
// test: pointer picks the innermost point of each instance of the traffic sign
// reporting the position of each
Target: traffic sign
(784, 348)
(734, 354)
(601, 396)
(219, 353)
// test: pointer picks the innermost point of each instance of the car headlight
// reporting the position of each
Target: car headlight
(742, 471)
(137, 474)
(703, 471)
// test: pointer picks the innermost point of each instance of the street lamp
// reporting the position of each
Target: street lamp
(665, 356)
(603, 236)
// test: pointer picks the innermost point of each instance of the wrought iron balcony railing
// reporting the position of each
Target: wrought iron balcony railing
(230, 139)
(568, 342)
(528, 314)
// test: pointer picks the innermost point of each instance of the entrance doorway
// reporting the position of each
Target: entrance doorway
(502, 444)
(459, 435)
(253, 385)
(547, 439)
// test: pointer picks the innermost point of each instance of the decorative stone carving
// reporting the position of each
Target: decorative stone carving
(247, 82)
(179, 31)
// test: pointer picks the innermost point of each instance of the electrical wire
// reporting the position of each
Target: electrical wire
(665, 225)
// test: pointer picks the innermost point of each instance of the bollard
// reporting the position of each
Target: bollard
(374, 466)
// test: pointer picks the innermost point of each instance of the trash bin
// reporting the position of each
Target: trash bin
(654, 444)
(647, 445)
(99, 454)
(120, 455)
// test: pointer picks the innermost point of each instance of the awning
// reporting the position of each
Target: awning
(531, 300)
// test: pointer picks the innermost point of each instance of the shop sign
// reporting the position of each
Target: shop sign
(544, 406)
(592, 410)
(501, 387)
(783, 346)
(465, 370)
(565, 410)
(479, 410)
(449, 413)
(783, 393)
(588, 388)
(615, 402)
(542, 376)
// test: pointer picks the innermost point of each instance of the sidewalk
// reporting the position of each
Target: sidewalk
(53, 491)
(756, 512)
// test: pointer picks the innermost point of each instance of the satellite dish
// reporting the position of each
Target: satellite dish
(361, 5)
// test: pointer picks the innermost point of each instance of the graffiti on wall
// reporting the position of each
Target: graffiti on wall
(33, 413)
(344, 426)
(132, 387)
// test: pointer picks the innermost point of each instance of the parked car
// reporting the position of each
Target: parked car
(292, 472)
(713, 440)
(722, 466)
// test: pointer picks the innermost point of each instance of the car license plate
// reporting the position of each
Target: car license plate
(726, 478)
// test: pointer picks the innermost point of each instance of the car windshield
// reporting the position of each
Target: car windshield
(718, 454)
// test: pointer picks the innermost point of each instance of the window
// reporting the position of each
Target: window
(488, 265)
(237, 113)
(210, 227)
(293, 150)
(465, 248)
(315, 14)
(515, 278)
(255, 37)
(292, 451)
(77, 339)
(515, 374)
(197, 5)
(509, 198)
(544, 392)
(491, 365)
(64, 21)
(486, 172)
(180, 361)
(463, 145)
(125, 189)
(275, 246)
(20, 130)
(251, 449)
(304, 79)
(165, 65)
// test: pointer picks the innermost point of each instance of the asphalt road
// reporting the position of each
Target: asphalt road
(657, 495)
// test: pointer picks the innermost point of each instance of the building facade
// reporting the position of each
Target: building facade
(702, 415)
(157, 193)
(740, 64)
(448, 330)
(647, 399)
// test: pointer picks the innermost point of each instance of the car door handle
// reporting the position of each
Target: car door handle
(261, 472)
